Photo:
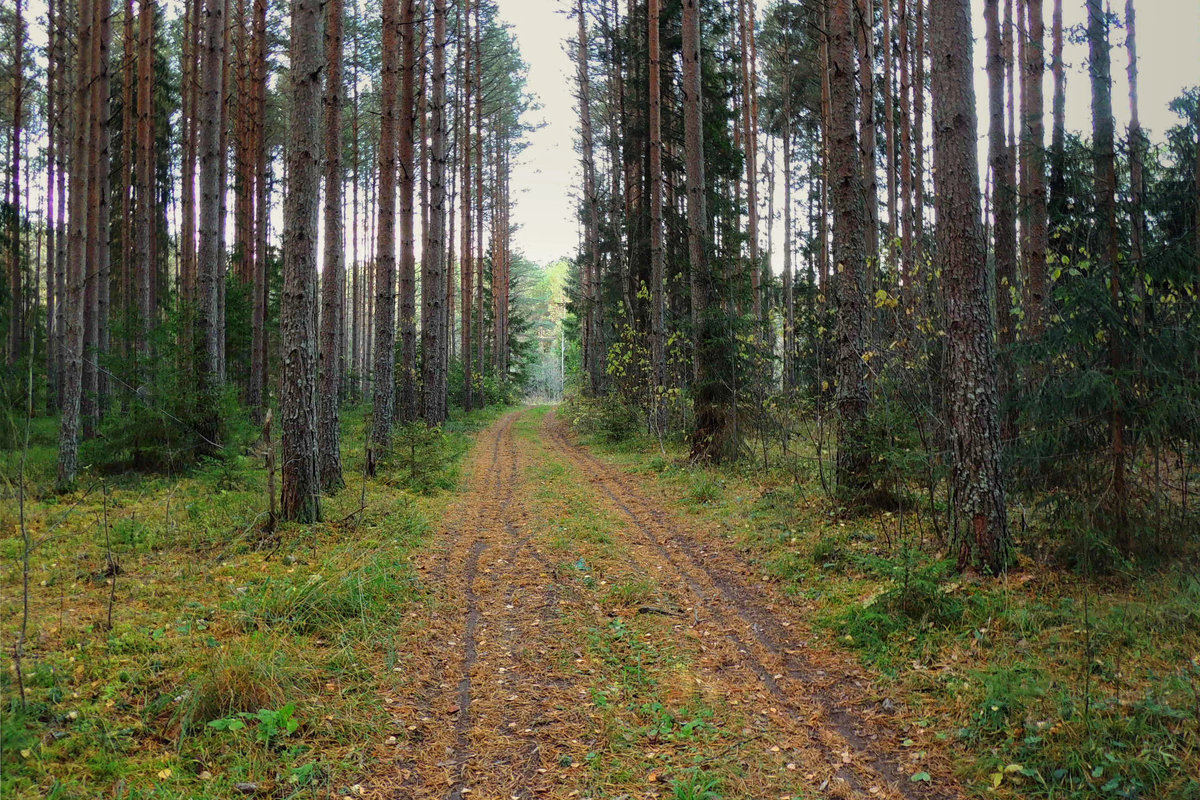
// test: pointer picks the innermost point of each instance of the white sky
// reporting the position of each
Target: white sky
(546, 178)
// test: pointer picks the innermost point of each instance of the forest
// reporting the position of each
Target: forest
(852, 451)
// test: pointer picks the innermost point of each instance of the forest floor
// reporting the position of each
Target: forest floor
(509, 610)
(585, 641)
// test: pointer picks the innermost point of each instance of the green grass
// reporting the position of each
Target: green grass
(1044, 684)
(214, 617)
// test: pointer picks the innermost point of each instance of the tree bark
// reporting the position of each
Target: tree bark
(1034, 192)
(1004, 230)
(385, 255)
(714, 437)
(408, 280)
(329, 434)
(257, 395)
(69, 423)
(981, 524)
(590, 269)
(1137, 145)
(658, 332)
(1058, 179)
(466, 266)
(54, 110)
(907, 213)
(866, 69)
(889, 128)
(750, 147)
(208, 267)
(850, 260)
(433, 273)
(1104, 176)
(300, 490)
(144, 195)
(16, 316)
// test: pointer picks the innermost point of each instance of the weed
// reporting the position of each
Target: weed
(696, 785)
(630, 592)
(270, 725)
(706, 491)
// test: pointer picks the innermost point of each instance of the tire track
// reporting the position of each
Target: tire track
(695, 568)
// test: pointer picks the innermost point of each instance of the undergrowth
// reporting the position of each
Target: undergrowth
(238, 654)
(1074, 676)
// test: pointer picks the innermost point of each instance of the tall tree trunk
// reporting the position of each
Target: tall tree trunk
(1104, 176)
(866, 105)
(329, 435)
(1035, 172)
(408, 257)
(658, 287)
(97, 271)
(16, 316)
(433, 273)
(76, 267)
(907, 213)
(590, 269)
(300, 489)
(470, 88)
(789, 281)
(919, 136)
(981, 522)
(750, 145)
(385, 255)
(61, 133)
(479, 198)
(850, 260)
(54, 110)
(208, 266)
(889, 129)
(1058, 179)
(1004, 229)
(257, 395)
(227, 59)
(144, 221)
(125, 302)
(713, 437)
(1137, 145)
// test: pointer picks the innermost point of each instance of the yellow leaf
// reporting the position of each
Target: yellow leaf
(997, 779)
(164, 774)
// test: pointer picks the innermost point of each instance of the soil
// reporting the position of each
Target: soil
(490, 708)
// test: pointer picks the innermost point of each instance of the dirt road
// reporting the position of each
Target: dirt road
(584, 642)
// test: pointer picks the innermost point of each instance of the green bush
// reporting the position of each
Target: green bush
(606, 418)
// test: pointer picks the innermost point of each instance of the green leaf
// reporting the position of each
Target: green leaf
(917, 777)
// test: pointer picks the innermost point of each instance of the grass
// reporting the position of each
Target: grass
(236, 655)
(1043, 684)
(656, 730)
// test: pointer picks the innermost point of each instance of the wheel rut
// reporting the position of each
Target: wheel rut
(837, 724)
(494, 702)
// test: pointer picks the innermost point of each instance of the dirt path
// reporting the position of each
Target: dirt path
(534, 631)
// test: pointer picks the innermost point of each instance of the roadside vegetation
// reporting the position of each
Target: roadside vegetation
(1069, 676)
(181, 644)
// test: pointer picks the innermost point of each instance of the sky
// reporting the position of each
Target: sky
(545, 180)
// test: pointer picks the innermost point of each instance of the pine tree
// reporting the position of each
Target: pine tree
(300, 495)
(329, 434)
(849, 258)
(981, 534)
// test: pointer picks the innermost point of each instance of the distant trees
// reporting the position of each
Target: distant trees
(154, 327)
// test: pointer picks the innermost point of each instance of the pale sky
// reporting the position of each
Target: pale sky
(546, 179)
